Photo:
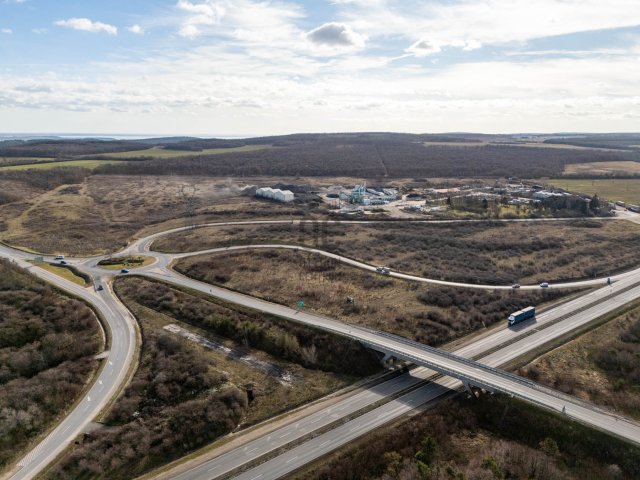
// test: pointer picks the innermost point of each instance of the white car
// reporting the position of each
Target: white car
(544, 285)
(59, 257)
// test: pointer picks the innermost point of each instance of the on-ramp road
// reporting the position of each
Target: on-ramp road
(110, 379)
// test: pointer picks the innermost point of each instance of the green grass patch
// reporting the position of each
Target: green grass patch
(63, 272)
(42, 165)
(13, 160)
(158, 152)
(118, 263)
(625, 190)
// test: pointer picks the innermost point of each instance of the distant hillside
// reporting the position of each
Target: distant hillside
(67, 148)
(372, 155)
(354, 154)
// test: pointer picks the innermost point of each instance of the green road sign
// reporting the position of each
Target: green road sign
(300, 304)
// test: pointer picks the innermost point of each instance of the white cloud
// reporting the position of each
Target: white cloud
(262, 69)
(205, 13)
(336, 35)
(422, 48)
(469, 24)
(189, 31)
(87, 25)
(6, 31)
(137, 29)
(39, 31)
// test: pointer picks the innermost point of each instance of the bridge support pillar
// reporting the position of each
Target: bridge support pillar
(386, 360)
(467, 386)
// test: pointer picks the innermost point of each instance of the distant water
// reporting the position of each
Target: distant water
(81, 136)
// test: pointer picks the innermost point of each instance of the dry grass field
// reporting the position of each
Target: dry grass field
(603, 168)
(601, 366)
(271, 396)
(495, 253)
(428, 314)
(626, 190)
(40, 164)
(64, 273)
(157, 152)
(102, 213)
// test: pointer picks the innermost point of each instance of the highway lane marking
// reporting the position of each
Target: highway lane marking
(257, 476)
(325, 443)
(288, 433)
(292, 459)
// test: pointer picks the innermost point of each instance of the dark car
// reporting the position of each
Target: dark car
(124, 270)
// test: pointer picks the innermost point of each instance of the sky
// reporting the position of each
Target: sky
(262, 67)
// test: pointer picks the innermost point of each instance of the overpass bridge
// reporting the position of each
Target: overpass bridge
(469, 372)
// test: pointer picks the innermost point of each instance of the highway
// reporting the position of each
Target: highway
(340, 435)
(109, 381)
(124, 328)
(143, 246)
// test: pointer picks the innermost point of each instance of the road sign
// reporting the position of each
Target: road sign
(609, 281)
(300, 304)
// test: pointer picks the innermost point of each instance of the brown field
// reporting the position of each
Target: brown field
(183, 395)
(271, 396)
(623, 189)
(102, 213)
(601, 366)
(428, 314)
(495, 253)
(603, 168)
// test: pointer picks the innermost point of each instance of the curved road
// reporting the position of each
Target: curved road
(123, 326)
(144, 246)
(107, 383)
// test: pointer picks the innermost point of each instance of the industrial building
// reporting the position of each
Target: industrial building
(361, 195)
(276, 194)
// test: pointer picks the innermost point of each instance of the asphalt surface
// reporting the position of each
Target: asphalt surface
(318, 446)
(110, 379)
(124, 329)
(558, 322)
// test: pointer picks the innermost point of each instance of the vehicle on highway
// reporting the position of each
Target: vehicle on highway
(100, 288)
(62, 262)
(124, 270)
(521, 315)
(383, 270)
(59, 257)
(515, 285)
(544, 285)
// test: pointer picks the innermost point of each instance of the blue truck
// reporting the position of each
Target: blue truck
(521, 315)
